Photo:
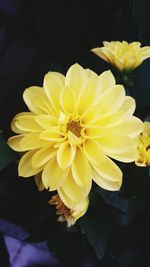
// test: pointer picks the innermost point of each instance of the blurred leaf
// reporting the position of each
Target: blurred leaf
(98, 228)
(123, 208)
(123, 219)
(7, 155)
(114, 199)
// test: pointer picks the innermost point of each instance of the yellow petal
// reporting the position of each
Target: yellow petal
(81, 209)
(94, 131)
(66, 200)
(29, 97)
(75, 78)
(14, 142)
(108, 170)
(108, 54)
(43, 103)
(25, 168)
(87, 95)
(105, 82)
(91, 114)
(65, 155)
(132, 127)
(128, 106)
(32, 141)
(67, 100)
(106, 184)
(114, 143)
(53, 134)
(112, 119)
(62, 119)
(46, 121)
(53, 86)
(91, 73)
(73, 190)
(14, 128)
(73, 139)
(81, 169)
(112, 100)
(43, 155)
(99, 53)
(145, 51)
(93, 152)
(128, 156)
(27, 123)
(53, 176)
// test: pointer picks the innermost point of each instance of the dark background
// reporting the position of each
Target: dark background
(39, 36)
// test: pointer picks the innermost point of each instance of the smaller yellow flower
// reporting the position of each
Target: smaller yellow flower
(143, 159)
(67, 214)
(123, 55)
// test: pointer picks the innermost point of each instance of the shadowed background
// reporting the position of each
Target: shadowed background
(36, 37)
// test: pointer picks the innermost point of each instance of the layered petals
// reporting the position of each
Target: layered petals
(74, 128)
(108, 170)
(76, 77)
(66, 154)
(123, 55)
(43, 155)
(106, 184)
(143, 147)
(53, 176)
(81, 169)
(53, 84)
(73, 190)
(25, 167)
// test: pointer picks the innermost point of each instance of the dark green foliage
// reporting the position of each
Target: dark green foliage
(7, 155)
(97, 226)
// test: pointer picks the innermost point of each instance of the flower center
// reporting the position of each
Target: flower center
(74, 127)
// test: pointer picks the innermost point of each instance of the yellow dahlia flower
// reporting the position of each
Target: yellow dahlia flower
(75, 124)
(66, 214)
(123, 55)
(143, 159)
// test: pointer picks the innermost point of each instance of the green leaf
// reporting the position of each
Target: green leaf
(7, 155)
(98, 229)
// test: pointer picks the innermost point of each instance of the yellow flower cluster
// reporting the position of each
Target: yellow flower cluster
(123, 55)
(143, 148)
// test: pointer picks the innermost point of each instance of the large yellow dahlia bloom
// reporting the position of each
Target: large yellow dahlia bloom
(123, 55)
(75, 125)
(143, 148)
